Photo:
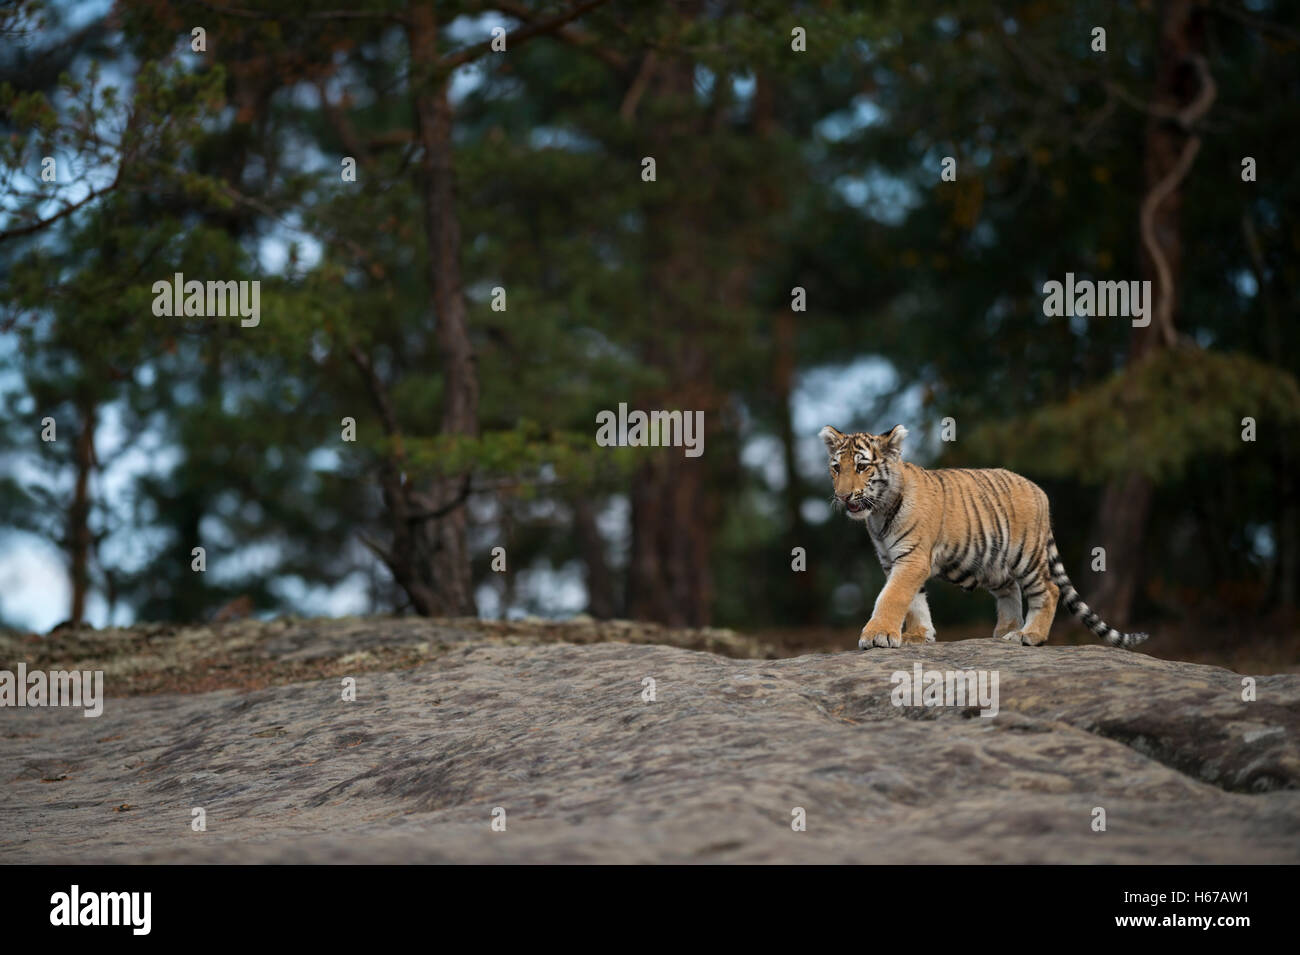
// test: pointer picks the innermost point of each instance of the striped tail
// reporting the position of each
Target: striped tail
(1074, 603)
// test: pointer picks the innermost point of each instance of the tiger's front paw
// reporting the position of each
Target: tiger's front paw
(878, 635)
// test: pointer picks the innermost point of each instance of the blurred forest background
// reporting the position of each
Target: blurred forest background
(799, 153)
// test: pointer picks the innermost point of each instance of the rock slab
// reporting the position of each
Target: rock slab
(563, 739)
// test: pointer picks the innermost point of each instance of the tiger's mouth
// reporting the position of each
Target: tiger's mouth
(857, 507)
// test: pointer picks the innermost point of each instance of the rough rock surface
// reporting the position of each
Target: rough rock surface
(250, 653)
(558, 735)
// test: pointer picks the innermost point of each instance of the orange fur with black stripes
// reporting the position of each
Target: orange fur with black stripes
(976, 528)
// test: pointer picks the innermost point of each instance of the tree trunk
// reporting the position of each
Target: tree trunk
(79, 537)
(448, 549)
(601, 599)
(670, 577)
(804, 601)
(1282, 590)
(1169, 148)
(430, 554)
(805, 604)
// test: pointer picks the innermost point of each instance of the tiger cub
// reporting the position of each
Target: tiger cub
(976, 528)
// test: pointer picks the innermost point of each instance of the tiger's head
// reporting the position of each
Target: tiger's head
(864, 468)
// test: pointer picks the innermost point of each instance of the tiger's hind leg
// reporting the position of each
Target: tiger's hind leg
(917, 626)
(1010, 612)
(1041, 595)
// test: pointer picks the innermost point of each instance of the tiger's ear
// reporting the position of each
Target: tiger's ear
(831, 437)
(893, 440)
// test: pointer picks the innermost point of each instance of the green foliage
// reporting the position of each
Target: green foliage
(663, 295)
(1180, 406)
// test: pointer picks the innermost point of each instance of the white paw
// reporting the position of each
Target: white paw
(1023, 638)
(875, 635)
(867, 641)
